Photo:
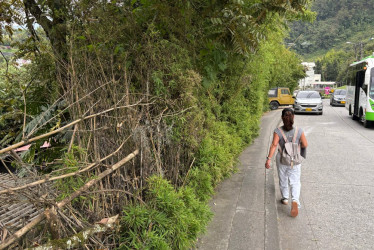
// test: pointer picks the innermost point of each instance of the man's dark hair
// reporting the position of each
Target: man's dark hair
(284, 111)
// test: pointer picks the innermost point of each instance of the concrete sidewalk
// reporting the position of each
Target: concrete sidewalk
(244, 206)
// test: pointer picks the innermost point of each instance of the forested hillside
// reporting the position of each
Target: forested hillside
(145, 105)
(337, 23)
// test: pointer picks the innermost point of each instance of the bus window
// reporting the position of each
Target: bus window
(351, 78)
(371, 90)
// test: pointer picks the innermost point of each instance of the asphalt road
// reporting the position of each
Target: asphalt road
(337, 193)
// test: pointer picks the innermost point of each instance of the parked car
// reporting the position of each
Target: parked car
(279, 97)
(308, 102)
(337, 98)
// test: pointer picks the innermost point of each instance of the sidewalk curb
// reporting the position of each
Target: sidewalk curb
(272, 240)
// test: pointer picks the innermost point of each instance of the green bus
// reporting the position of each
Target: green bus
(360, 91)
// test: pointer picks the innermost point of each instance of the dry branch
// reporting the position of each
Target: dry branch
(22, 231)
(7, 63)
(21, 143)
(17, 235)
(72, 137)
(76, 240)
(99, 177)
(61, 176)
(10, 172)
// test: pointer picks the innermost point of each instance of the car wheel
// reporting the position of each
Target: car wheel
(321, 113)
(274, 105)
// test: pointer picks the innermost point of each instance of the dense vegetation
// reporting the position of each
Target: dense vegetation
(337, 23)
(184, 82)
(341, 34)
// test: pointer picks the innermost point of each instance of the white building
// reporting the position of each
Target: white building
(310, 78)
(317, 78)
(313, 81)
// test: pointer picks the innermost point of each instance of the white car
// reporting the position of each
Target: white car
(308, 102)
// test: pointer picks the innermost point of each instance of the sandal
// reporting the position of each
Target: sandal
(294, 209)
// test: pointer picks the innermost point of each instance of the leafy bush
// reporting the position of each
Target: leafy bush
(170, 220)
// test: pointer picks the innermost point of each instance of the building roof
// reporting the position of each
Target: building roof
(323, 83)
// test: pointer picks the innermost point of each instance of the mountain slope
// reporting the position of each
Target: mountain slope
(337, 23)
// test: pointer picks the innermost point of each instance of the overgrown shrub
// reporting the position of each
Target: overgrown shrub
(172, 219)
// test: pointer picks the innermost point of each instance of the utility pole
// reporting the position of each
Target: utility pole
(361, 44)
(359, 48)
(355, 45)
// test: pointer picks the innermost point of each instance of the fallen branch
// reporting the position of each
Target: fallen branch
(8, 190)
(66, 108)
(17, 235)
(99, 177)
(23, 142)
(78, 239)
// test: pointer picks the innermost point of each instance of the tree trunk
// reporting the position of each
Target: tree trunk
(55, 30)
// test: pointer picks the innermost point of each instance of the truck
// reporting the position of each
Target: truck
(280, 96)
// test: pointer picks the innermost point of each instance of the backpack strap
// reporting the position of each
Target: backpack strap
(284, 136)
(295, 135)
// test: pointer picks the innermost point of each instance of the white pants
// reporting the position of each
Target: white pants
(289, 177)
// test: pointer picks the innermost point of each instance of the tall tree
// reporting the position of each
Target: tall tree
(52, 16)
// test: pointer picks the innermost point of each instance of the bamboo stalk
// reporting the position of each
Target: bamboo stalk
(99, 177)
(22, 231)
(23, 142)
(61, 176)
(17, 235)
(76, 240)
(72, 137)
